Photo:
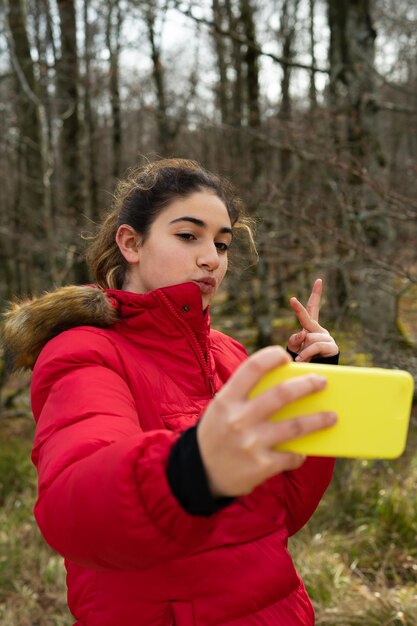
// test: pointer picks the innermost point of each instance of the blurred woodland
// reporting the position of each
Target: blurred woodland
(310, 108)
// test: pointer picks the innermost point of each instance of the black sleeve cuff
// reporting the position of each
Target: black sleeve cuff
(325, 360)
(187, 477)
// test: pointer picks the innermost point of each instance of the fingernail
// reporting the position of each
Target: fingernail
(320, 379)
(298, 358)
(331, 418)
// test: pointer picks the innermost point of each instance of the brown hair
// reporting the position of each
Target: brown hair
(139, 199)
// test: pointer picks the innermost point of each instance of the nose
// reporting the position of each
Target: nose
(208, 257)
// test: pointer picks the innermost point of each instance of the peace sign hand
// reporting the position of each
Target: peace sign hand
(313, 340)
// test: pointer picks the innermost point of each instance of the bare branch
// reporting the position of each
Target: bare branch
(395, 108)
(242, 40)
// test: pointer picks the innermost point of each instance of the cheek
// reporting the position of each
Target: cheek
(223, 269)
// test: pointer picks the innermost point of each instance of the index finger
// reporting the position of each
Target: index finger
(263, 406)
(313, 304)
(304, 317)
(251, 371)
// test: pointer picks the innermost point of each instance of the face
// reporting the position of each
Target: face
(187, 242)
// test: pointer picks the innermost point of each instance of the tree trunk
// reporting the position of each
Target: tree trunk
(113, 27)
(165, 135)
(67, 88)
(28, 104)
(222, 91)
(313, 90)
(31, 202)
(67, 79)
(236, 115)
(353, 91)
(338, 295)
(287, 32)
(90, 121)
(251, 58)
(263, 308)
(236, 83)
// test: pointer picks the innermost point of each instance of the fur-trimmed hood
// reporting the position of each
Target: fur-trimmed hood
(29, 324)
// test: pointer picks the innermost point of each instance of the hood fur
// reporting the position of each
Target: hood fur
(29, 324)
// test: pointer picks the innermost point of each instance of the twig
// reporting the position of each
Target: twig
(235, 37)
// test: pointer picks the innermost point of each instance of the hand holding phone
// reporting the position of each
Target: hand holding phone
(372, 404)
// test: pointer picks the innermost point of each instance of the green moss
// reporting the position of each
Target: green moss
(16, 470)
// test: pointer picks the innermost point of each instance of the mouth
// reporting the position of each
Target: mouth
(207, 284)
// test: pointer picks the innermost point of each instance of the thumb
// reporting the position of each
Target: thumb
(295, 341)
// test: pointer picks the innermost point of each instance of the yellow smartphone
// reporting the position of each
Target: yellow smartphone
(372, 404)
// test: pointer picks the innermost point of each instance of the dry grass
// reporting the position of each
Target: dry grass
(32, 577)
(358, 555)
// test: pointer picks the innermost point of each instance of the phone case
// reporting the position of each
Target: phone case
(373, 407)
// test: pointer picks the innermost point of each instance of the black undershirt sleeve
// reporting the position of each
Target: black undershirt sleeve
(186, 474)
(324, 360)
(187, 477)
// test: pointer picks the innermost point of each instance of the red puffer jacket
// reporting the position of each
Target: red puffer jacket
(109, 404)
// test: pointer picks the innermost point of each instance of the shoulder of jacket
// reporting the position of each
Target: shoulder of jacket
(220, 340)
(74, 349)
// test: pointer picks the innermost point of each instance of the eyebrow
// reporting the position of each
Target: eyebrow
(195, 220)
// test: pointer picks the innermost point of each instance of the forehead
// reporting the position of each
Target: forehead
(202, 205)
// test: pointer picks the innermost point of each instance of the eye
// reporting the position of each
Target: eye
(186, 236)
(221, 246)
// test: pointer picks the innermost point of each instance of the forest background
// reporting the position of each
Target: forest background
(310, 108)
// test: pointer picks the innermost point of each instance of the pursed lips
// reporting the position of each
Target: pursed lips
(206, 284)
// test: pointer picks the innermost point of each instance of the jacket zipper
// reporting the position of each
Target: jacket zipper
(202, 359)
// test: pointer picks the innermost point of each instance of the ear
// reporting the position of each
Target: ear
(128, 241)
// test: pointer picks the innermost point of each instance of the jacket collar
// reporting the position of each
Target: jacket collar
(181, 303)
(29, 324)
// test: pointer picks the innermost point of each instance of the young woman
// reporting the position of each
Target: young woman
(159, 481)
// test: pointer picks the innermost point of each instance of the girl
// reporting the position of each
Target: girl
(158, 478)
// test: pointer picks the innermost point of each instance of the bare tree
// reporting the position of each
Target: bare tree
(326, 194)
(113, 28)
(287, 36)
(31, 196)
(223, 61)
(90, 118)
(234, 23)
(166, 133)
(231, 92)
(311, 31)
(354, 96)
(68, 84)
(251, 60)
